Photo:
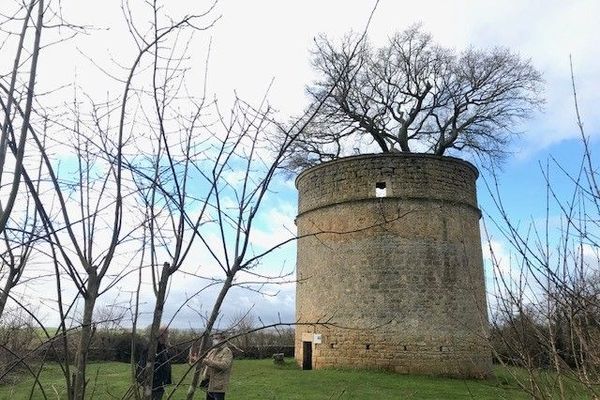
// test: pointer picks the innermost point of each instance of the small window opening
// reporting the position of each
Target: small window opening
(333, 345)
(405, 348)
(443, 348)
(380, 189)
(367, 346)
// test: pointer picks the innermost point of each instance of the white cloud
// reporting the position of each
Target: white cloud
(277, 226)
(591, 257)
(494, 253)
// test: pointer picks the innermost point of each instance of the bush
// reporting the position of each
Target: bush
(258, 352)
(17, 336)
(115, 345)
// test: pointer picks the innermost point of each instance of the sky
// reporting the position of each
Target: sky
(261, 47)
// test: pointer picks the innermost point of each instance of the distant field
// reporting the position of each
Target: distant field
(260, 379)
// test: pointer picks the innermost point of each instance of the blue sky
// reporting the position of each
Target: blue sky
(265, 42)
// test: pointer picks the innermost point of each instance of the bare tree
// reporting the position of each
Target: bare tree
(90, 204)
(547, 309)
(415, 95)
(222, 203)
(21, 27)
(163, 166)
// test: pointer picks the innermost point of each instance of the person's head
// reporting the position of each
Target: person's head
(163, 334)
(218, 338)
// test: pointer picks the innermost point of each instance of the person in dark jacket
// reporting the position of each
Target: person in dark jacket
(162, 365)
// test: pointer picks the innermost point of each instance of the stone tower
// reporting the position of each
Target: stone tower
(390, 266)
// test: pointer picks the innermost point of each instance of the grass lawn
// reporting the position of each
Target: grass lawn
(260, 379)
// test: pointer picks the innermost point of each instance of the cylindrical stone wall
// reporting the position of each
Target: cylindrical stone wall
(393, 282)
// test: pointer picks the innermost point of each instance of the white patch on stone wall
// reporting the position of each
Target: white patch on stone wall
(380, 189)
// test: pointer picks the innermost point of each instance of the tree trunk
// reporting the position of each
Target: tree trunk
(403, 139)
(154, 331)
(556, 359)
(7, 287)
(209, 325)
(85, 338)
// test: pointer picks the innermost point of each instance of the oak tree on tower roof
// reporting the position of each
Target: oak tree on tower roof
(413, 95)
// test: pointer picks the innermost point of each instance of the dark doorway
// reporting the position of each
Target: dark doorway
(306, 355)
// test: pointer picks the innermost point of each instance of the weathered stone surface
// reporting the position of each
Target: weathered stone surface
(400, 277)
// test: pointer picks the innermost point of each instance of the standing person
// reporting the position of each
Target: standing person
(217, 367)
(162, 365)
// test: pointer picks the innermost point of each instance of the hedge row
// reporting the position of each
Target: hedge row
(112, 346)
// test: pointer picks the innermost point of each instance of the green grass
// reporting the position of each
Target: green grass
(260, 379)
